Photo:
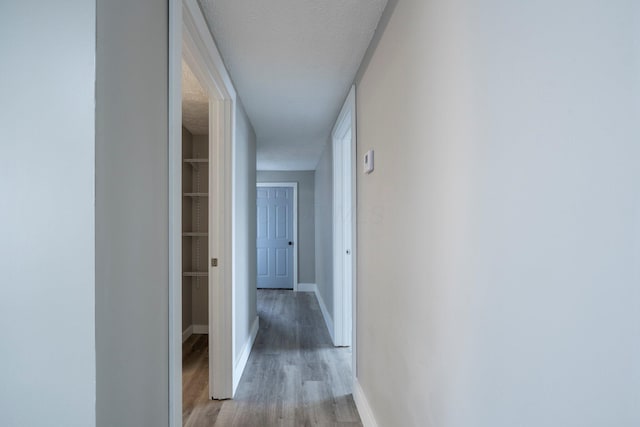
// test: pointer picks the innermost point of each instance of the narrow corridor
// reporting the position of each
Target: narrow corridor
(294, 377)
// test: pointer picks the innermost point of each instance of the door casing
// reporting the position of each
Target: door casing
(344, 226)
(190, 38)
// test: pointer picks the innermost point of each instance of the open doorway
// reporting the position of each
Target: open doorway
(344, 228)
(195, 243)
(206, 188)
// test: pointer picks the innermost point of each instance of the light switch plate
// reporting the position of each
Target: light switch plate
(368, 161)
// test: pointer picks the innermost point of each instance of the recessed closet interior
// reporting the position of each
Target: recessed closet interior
(195, 242)
(195, 204)
(195, 214)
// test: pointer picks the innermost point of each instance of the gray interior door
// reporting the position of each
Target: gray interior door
(275, 237)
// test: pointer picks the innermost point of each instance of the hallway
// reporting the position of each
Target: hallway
(294, 377)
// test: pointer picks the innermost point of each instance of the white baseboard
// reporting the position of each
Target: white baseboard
(366, 414)
(244, 356)
(325, 313)
(187, 333)
(200, 329)
(194, 329)
(306, 287)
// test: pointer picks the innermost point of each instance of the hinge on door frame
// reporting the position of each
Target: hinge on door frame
(214, 262)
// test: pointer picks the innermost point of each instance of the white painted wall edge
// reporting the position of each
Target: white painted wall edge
(364, 409)
(244, 356)
(325, 313)
(175, 213)
(307, 287)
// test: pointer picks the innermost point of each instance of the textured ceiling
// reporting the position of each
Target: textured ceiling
(195, 103)
(292, 62)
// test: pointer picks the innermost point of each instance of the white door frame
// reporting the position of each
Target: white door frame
(344, 294)
(293, 185)
(189, 38)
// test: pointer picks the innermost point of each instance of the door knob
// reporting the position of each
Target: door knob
(348, 252)
(290, 243)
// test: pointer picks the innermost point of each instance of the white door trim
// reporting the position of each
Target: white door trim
(293, 185)
(202, 56)
(344, 295)
(189, 38)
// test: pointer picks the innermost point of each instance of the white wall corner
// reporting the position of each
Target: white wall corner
(307, 287)
(364, 409)
(325, 313)
(241, 363)
(187, 333)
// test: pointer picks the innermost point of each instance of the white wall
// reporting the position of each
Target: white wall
(47, 341)
(324, 227)
(306, 218)
(499, 235)
(244, 217)
(132, 249)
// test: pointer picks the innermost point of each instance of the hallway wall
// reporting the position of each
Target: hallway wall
(324, 227)
(306, 220)
(47, 213)
(244, 217)
(132, 207)
(499, 235)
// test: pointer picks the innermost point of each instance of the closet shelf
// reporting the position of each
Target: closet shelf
(196, 194)
(195, 274)
(195, 234)
(196, 162)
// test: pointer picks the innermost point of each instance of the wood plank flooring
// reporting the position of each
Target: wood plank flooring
(294, 376)
(196, 405)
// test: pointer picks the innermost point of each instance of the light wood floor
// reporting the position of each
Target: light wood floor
(294, 377)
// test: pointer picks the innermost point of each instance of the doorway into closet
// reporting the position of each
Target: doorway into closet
(200, 240)
(195, 243)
